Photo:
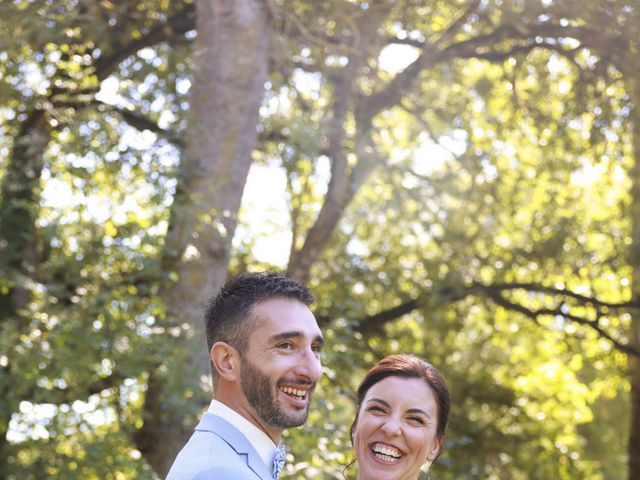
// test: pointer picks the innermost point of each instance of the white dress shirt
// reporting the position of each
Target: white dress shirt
(257, 438)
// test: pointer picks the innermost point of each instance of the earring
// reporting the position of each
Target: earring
(426, 468)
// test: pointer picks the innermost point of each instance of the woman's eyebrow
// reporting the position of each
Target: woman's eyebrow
(379, 400)
(410, 410)
(418, 410)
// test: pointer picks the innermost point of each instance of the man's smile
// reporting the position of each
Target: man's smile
(297, 393)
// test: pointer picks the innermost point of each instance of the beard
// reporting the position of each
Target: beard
(262, 396)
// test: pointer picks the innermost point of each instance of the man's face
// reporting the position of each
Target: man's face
(281, 364)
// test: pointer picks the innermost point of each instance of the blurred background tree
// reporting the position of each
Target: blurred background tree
(455, 179)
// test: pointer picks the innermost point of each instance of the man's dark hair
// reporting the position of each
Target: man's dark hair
(229, 316)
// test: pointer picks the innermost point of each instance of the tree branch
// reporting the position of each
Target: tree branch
(396, 88)
(375, 323)
(342, 184)
(534, 287)
(179, 23)
(557, 312)
(140, 122)
(471, 48)
(59, 396)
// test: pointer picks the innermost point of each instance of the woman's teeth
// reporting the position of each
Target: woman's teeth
(386, 453)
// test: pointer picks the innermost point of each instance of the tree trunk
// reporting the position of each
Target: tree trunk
(634, 261)
(20, 202)
(345, 181)
(18, 213)
(230, 58)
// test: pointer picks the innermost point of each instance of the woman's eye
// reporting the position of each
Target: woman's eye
(416, 420)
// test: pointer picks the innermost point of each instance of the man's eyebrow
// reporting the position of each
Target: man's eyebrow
(295, 334)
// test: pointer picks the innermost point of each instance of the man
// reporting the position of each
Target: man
(264, 345)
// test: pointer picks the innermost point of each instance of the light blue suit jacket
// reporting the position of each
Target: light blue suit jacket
(218, 451)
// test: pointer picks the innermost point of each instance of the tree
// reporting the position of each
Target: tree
(49, 265)
(397, 247)
(230, 69)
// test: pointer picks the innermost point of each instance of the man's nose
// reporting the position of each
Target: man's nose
(309, 365)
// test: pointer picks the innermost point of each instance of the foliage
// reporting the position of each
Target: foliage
(456, 178)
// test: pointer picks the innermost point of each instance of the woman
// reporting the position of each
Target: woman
(401, 415)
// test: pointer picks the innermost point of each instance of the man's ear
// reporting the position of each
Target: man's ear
(226, 361)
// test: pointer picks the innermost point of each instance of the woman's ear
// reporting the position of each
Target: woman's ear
(435, 450)
(226, 361)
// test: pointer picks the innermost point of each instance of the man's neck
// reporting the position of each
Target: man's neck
(243, 409)
(261, 442)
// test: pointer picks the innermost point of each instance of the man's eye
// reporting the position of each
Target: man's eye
(286, 345)
(317, 349)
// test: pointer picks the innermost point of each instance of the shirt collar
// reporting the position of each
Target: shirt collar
(256, 437)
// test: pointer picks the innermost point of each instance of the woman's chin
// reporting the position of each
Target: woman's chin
(378, 469)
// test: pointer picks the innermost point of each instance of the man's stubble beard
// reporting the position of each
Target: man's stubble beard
(259, 392)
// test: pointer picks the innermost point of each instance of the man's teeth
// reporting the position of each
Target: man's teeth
(386, 453)
(294, 392)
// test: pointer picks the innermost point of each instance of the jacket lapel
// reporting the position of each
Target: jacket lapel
(237, 441)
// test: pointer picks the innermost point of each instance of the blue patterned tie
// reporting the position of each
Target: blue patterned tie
(278, 461)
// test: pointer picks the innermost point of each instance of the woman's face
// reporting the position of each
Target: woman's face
(396, 430)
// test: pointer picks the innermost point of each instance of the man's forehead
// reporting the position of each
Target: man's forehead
(281, 307)
(282, 315)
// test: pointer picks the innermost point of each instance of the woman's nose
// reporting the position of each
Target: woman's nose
(391, 426)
